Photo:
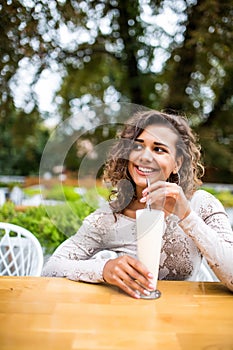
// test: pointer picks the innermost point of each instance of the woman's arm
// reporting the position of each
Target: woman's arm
(84, 257)
(210, 229)
(76, 258)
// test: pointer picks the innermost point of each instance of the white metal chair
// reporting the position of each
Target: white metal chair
(20, 252)
(205, 273)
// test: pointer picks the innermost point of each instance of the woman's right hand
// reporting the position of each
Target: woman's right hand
(130, 275)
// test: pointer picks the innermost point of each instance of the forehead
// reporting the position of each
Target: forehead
(161, 134)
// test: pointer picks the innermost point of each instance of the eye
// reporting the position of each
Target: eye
(159, 149)
(137, 146)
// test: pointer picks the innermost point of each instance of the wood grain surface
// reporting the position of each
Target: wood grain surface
(56, 313)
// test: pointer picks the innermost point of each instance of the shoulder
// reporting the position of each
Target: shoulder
(204, 202)
(200, 195)
(102, 214)
(104, 209)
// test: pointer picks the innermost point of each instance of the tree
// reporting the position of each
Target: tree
(200, 77)
(21, 143)
(115, 50)
(112, 60)
(22, 136)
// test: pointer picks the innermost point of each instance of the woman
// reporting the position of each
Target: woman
(163, 148)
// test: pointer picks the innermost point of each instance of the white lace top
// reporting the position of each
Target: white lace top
(206, 231)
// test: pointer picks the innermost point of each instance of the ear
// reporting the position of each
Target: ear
(179, 162)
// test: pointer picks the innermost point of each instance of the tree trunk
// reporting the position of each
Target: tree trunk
(178, 98)
(130, 48)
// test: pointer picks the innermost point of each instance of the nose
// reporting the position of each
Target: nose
(146, 155)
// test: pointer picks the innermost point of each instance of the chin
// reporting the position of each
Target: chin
(140, 181)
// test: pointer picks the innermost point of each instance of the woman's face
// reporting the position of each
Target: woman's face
(153, 155)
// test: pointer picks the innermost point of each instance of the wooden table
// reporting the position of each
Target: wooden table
(55, 313)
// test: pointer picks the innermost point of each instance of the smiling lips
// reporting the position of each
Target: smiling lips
(143, 171)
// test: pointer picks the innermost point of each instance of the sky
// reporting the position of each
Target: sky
(50, 79)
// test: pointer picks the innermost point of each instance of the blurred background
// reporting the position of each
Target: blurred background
(59, 58)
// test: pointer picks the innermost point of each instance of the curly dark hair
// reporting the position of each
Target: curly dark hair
(116, 168)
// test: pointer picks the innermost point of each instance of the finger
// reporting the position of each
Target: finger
(153, 196)
(136, 286)
(135, 293)
(132, 287)
(117, 272)
(137, 281)
(138, 272)
(172, 190)
(167, 191)
(125, 283)
(165, 187)
(149, 188)
(134, 274)
(153, 187)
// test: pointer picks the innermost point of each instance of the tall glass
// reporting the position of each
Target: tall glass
(150, 228)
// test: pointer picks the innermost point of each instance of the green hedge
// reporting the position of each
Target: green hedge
(60, 193)
(51, 225)
(55, 223)
(225, 197)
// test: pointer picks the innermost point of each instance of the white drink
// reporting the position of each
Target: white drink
(150, 229)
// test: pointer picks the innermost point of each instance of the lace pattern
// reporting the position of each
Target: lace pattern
(205, 232)
(178, 253)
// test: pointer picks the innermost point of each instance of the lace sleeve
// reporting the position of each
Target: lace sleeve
(76, 257)
(210, 229)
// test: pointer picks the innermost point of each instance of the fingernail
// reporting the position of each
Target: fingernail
(146, 292)
(137, 294)
(143, 200)
(151, 286)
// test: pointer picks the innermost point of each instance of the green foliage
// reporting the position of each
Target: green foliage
(68, 193)
(30, 192)
(93, 195)
(210, 190)
(61, 193)
(103, 192)
(51, 225)
(10, 185)
(132, 58)
(21, 147)
(225, 197)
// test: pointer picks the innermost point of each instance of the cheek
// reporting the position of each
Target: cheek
(132, 156)
(130, 168)
(167, 166)
(131, 161)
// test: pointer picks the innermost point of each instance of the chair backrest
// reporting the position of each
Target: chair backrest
(205, 273)
(20, 252)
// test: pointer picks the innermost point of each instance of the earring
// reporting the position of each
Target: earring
(174, 178)
(177, 178)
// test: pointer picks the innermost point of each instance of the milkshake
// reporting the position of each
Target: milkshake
(150, 228)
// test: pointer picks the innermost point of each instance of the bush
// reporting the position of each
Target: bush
(30, 192)
(61, 193)
(52, 224)
(225, 197)
(64, 192)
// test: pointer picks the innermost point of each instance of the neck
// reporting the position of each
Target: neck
(135, 204)
(139, 193)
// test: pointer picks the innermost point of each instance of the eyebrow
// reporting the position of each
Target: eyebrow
(155, 143)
